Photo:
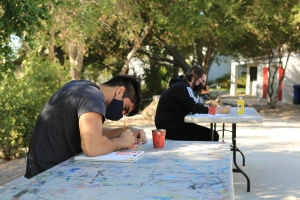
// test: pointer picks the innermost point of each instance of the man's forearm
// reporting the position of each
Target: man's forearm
(112, 133)
(99, 146)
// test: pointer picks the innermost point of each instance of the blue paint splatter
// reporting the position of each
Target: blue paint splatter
(74, 169)
(217, 186)
(161, 197)
(170, 177)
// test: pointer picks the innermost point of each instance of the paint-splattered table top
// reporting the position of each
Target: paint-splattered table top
(182, 170)
(250, 116)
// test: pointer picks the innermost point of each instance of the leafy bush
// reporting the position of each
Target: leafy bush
(241, 82)
(156, 81)
(23, 93)
(225, 81)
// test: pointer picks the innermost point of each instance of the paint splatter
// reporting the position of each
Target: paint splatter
(20, 194)
(74, 169)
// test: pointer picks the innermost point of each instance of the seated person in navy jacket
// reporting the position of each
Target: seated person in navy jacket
(178, 101)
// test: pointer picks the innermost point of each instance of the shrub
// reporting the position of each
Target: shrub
(225, 81)
(23, 93)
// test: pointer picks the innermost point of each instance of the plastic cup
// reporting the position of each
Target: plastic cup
(158, 137)
(212, 110)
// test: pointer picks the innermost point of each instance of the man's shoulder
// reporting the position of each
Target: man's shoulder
(181, 84)
(80, 83)
(76, 86)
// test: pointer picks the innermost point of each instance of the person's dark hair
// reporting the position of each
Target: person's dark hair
(195, 72)
(133, 90)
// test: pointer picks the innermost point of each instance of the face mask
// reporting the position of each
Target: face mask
(114, 110)
(197, 88)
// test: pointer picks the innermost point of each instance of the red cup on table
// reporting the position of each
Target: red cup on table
(212, 110)
(158, 137)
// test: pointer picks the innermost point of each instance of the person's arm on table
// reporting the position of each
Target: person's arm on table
(139, 134)
(95, 143)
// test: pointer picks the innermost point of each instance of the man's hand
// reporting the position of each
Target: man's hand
(139, 135)
(127, 138)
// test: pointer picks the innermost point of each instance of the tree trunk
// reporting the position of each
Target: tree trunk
(273, 101)
(51, 45)
(135, 48)
(207, 59)
(273, 95)
(51, 36)
(175, 70)
(178, 57)
(76, 53)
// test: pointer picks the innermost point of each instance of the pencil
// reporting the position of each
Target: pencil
(124, 125)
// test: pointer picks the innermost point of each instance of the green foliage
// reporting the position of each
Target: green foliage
(241, 81)
(23, 93)
(21, 18)
(156, 80)
(225, 81)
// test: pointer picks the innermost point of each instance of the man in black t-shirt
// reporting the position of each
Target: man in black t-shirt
(71, 122)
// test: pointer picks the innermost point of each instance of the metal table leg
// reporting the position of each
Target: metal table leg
(212, 131)
(234, 157)
(223, 130)
(242, 155)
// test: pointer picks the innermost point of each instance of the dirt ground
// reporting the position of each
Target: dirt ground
(288, 112)
(10, 170)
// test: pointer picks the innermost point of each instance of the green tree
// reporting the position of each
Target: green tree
(193, 32)
(21, 18)
(23, 93)
(273, 32)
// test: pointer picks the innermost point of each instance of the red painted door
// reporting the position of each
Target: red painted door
(265, 82)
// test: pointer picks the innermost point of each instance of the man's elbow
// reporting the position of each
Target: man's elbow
(90, 152)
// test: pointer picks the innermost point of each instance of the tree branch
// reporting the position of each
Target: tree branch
(157, 58)
(135, 48)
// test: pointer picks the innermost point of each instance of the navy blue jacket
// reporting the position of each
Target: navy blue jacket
(174, 104)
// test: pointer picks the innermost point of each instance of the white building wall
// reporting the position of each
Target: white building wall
(292, 77)
(260, 73)
(218, 70)
(233, 78)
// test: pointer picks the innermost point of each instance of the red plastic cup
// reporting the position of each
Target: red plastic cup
(212, 110)
(158, 137)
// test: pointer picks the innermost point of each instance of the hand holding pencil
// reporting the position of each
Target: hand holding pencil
(139, 135)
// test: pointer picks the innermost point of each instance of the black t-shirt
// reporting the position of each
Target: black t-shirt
(174, 104)
(56, 135)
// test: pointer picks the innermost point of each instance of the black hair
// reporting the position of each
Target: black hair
(194, 72)
(133, 90)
